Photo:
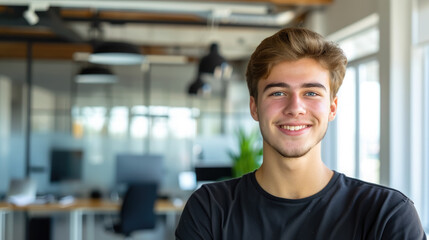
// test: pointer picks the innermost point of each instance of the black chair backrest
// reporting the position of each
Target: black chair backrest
(137, 211)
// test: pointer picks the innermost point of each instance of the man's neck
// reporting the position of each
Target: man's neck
(293, 178)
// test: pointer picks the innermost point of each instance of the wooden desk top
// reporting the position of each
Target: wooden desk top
(5, 206)
(161, 206)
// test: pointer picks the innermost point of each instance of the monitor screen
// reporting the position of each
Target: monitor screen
(66, 165)
(134, 168)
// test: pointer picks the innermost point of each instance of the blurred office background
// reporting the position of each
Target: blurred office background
(381, 133)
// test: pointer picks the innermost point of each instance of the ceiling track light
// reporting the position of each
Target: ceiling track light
(116, 53)
(31, 16)
(96, 75)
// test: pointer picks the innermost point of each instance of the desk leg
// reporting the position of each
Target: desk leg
(171, 221)
(76, 225)
(2, 225)
(5, 231)
(9, 225)
(90, 226)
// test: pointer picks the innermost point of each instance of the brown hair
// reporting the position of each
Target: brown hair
(292, 44)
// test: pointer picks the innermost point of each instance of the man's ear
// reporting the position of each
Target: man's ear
(333, 109)
(253, 108)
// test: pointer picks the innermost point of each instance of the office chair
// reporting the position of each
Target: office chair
(137, 210)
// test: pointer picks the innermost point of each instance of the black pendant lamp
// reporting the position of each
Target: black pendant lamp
(199, 87)
(95, 75)
(116, 53)
(212, 60)
(207, 66)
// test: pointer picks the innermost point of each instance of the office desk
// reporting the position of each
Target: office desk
(80, 207)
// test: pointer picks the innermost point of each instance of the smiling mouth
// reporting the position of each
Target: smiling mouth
(293, 128)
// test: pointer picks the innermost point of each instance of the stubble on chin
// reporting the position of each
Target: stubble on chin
(286, 152)
(294, 154)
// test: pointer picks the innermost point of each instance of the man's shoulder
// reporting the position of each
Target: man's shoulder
(371, 191)
(222, 191)
(224, 186)
(387, 209)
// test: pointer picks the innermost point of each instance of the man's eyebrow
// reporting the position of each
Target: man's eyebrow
(314, 85)
(285, 85)
(273, 85)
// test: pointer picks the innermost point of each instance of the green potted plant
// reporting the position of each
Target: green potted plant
(249, 154)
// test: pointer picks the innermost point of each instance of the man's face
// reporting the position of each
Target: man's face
(294, 107)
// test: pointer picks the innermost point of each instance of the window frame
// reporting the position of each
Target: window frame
(356, 63)
(425, 153)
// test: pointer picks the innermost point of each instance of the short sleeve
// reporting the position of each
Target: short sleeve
(195, 221)
(404, 224)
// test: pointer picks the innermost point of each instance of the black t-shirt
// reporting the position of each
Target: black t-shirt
(346, 208)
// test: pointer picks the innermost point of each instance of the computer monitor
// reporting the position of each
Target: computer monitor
(136, 168)
(66, 165)
(22, 191)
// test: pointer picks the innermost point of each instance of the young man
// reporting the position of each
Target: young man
(293, 78)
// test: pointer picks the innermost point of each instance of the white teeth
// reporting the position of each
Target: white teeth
(294, 128)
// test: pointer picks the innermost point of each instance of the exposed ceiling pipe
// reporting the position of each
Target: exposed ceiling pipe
(279, 19)
(152, 6)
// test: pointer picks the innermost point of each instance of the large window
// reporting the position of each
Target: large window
(178, 122)
(369, 122)
(358, 119)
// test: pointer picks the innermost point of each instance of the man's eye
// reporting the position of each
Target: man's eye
(311, 94)
(276, 94)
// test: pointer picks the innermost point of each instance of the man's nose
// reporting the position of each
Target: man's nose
(295, 106)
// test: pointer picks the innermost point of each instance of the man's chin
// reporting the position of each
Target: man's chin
(294, 154)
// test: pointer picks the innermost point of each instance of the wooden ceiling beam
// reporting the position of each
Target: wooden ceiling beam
(128, 16)
(27, 31)
(58, 51)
